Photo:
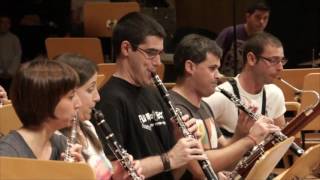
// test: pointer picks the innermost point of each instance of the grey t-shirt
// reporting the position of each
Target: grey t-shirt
(13, 145)
(203, 115)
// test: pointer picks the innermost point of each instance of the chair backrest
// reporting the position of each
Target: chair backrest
(304, 165)
(101, 80)
(100, 17)
(8, 119)
(294, 77)
(22, 168)
(108, 69)
(264, 166)
(311, 82)
(88, 47)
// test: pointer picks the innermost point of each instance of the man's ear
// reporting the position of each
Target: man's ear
(189, 67)
(251, 59)
(125, 48)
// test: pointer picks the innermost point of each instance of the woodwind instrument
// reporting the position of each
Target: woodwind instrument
(176, 114)
(245, 165)
(305, 117)
(104, 130)
(72, 139)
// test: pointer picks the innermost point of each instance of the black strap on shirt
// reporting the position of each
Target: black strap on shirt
(236, 92)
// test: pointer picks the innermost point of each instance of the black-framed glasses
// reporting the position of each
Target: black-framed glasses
(150, 53)
(274, 60)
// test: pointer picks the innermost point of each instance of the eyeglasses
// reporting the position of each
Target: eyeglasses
(275, 61)
(150, 53)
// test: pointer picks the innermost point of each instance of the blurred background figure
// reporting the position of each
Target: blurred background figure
(10, 52)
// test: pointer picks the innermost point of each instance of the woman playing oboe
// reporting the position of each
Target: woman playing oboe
(44, 98)
(89, 96)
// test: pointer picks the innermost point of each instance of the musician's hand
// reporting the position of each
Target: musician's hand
(224, 175)
(245, 122)
(185, 150)
(120, 173)
(76, 153)
(3, 95)
(192, 126)
(261, 128)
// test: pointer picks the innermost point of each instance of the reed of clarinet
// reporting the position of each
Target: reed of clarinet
(176, 114)
(104, 130)
(72, 139)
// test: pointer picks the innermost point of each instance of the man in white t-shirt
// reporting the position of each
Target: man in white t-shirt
(264, 60)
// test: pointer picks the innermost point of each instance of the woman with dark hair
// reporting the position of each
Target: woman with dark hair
(89, 96)
(44, 97)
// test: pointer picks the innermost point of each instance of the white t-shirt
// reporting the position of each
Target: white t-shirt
(226, 113)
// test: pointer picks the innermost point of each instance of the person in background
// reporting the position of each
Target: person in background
(44, 97)
(264, 59)
(196, 61)
(3, 96)
(134, 108)
(10, 52)
(257, 17)
(89, 96)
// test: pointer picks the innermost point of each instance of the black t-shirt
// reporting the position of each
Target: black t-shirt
(139, 119)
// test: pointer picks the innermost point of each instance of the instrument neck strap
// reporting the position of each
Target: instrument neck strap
(233, 83)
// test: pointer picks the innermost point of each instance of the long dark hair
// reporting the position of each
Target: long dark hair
(85, 70)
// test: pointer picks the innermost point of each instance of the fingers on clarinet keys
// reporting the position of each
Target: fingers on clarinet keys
(75, 154)
(185, 150)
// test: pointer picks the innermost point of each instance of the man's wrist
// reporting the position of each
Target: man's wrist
(165, 161)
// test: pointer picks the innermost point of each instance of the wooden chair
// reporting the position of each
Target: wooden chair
(9, 119)
(101, 80)
(100, 17)
(264, 166)
(292, 108)
(21, 168)
(294, 77)
(108, 69)
(311, 82)
(306, 165)
(88, 47)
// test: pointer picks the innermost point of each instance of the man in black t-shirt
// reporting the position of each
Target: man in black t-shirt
(197, 60)
(134, 108)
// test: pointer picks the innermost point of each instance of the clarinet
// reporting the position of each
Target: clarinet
(104, 130)
(176, 114)
(71, 140)
(258, 151)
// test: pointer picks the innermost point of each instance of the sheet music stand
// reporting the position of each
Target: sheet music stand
(304, 165)
(269, 160)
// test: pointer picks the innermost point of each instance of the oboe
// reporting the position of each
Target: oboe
(176, 114)
(104, 130)
(258, 151)
(71, 140)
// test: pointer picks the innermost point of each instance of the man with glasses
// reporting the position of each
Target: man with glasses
(263, 62)
(134, 108)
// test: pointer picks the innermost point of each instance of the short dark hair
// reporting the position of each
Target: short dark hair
(258, 5)
(195, 48)
(258, 42)
(38, 87)
(135, 27)
(84, 67)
